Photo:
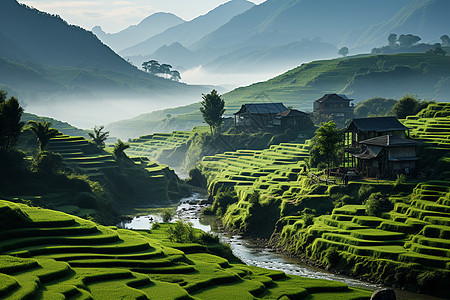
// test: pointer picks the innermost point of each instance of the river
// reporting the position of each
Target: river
(250, 251)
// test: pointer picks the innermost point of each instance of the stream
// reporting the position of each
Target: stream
(251, 252)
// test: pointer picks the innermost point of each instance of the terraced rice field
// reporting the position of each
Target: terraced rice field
(46, 254)
(414, 234)
(273, 171)
(160, 145)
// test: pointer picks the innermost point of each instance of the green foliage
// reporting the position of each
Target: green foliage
(212, 109)
(401, 179)
(196, 178)
(119, 150)
(374, 107)
(47, 162)
(331, 256)
(378, 203)
(155, 226)
(181, 232)
(99, 137)
(167, 215)
(223, 199)
(408, 106)
(10, 124)
(254, 197)
(326, 143)
(308, 220)
(343, 51)
(43, 133)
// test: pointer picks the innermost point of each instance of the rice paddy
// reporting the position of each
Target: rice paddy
(46, 254)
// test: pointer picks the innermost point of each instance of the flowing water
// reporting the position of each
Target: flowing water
(251, 252)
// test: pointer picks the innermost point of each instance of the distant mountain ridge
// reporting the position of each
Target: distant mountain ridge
(190, 32)
(134, 34)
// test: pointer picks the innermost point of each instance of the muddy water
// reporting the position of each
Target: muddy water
(250, 251)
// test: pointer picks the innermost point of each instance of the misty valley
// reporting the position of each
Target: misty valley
(226, 149)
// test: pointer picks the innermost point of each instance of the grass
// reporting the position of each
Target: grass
(69, 257)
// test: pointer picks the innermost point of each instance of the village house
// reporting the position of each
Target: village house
(271, 117)
(333, 107)
(377, 147)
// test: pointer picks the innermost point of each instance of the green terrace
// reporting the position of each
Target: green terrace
(415, 234)
(46, 254)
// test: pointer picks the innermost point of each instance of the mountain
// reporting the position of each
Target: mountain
(134, 34)
(190, 32)
(425, 18)
(280, 22)
(63, 71)
(359, 77)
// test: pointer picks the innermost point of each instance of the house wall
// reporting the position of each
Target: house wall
(402, 152)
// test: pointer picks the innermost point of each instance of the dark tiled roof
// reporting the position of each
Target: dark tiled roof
(389, 141)
(382, 124)
(334, 97)
(262, 108)
(369, 153)
(291, 113)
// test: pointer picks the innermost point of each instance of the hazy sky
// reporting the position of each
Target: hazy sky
(115, 15)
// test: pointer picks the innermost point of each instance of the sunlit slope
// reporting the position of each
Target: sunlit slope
(359, 77)
(50, 255)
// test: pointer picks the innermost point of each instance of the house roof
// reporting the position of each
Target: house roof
(389, 141)
(371, 152)
(290, 113)
(333, 98)
(262, 108)
(382, 124)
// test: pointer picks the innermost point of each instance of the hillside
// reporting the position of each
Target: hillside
(421, 17)
(359, 77)
(190, 32)
(134, 34)
(51, 255)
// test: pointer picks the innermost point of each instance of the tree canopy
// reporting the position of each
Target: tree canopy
(326, 145)
(119, 149)
(445, 40)
(408, 106)
(407, 40)
(212, 109)
(163, 70)
(43, 133)
(10, 124)
(374, 107)
(343, 51)
(99, 137)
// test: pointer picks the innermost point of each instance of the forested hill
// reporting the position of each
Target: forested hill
(359, 77)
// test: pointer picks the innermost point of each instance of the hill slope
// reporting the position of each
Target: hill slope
(360, 77)
(150, 26)
(192, 31)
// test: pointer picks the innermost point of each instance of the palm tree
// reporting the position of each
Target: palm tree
(99, 137)
(119, 149)
(43, 132)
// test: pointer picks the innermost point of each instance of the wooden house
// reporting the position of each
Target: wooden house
(386, 156)
(270, 117)
(333, 107)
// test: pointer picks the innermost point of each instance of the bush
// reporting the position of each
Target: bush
(208, 238)
(181, 232)
(401, 179)
(156, 226)
(47, 162)
(331, 256)
(196, 178)
(253, 198)
(308, 219)
(223, 199)
(376, 204)
(365, 191)
(167, 215)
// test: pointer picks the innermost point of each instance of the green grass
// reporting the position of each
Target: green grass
(69, 257)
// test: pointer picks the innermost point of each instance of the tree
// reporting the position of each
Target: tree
(445, 40)
(327, 143)
(343, 51)
(212, 109)
(377, 106)
(119, 149)
(10, 124)
(407, 40)
(43, 133)
(392, 39)
(408, 106)
(175, 75)
(99, 137)
(439, 51)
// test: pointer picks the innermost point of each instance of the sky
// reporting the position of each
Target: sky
(115, 15)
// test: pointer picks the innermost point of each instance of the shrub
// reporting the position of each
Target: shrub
(156, 226)
(401, 179)
(308, 219)
(223, 199)
(253, 198)
(376, 204)
(196, 178)
(167, 215)
(181, 232)
(331, 256)
(47, 162)
(208, 238)
(364, 191)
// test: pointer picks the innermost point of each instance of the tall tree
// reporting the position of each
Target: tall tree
(212, 109)
(327, 143)
(10, 124)
(407, 106)
(99, 137)
(407, 40)
(119, 149)
(445, 40)
(392, 39)
(343, 51)
(43, 133)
